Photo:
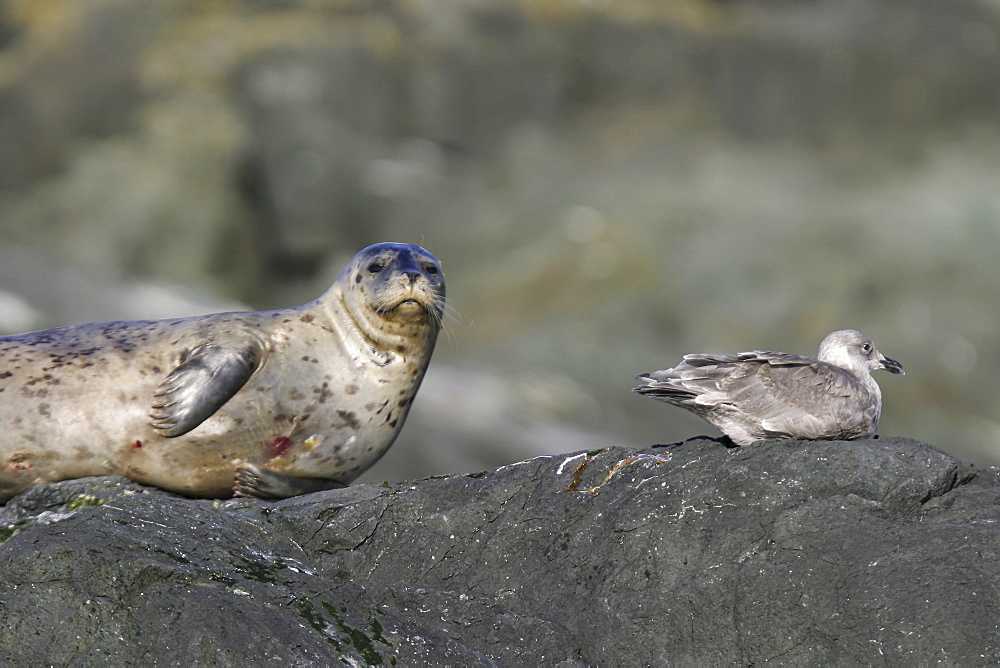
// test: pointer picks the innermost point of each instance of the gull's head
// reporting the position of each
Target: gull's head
(852, 350)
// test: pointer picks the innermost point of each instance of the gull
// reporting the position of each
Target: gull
(762, 394)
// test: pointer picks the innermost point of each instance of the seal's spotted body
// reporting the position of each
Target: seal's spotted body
(297, 399)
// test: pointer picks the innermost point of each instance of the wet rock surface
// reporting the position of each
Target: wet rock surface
(880, 551)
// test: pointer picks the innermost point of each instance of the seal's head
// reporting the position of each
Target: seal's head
(395, 292)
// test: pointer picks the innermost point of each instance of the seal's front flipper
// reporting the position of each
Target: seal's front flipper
(207, 377)
(262, 483)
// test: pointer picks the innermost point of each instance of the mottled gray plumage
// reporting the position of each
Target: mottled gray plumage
(762, 394)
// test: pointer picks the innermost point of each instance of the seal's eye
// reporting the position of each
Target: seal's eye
(431, 269)
(375, 267)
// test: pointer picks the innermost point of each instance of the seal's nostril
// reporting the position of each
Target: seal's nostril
(412, 275)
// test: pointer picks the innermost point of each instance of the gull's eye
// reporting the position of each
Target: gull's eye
(866, 348)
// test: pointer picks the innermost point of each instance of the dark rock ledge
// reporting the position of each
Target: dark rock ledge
(868, 552)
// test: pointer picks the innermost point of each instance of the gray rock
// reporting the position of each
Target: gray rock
(789, 552)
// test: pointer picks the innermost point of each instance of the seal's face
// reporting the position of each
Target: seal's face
(401, 282)
(395, 289)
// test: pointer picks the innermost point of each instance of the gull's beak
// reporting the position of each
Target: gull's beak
(892, 366)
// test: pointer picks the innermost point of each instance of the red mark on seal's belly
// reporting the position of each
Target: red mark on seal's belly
(137, 444)
(280, 446)
(18, 463)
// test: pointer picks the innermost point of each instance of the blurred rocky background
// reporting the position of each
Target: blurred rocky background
(609, 186)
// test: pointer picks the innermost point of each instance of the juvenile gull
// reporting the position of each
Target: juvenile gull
(761, 394)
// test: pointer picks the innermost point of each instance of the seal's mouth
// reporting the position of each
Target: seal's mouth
(403, 306)
(415, 305)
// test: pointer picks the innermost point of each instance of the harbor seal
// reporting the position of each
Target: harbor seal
(761, 394)
(268, 404)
